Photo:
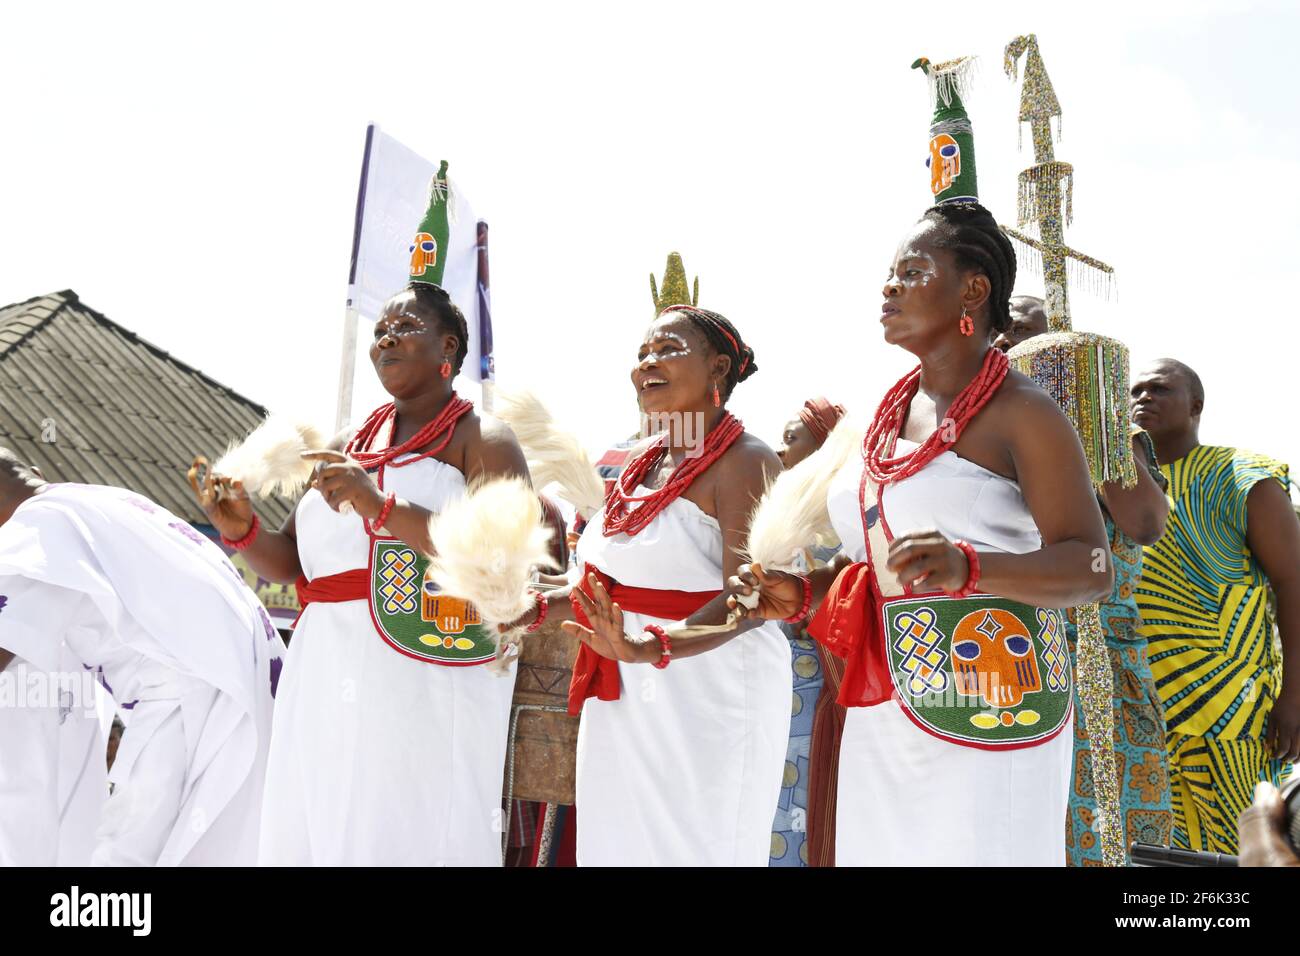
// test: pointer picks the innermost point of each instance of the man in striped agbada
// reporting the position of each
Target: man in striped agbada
(1231, 701)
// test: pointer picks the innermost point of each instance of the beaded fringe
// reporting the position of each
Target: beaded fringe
(1040, 193)
(1084, 272)
(1093, 672)
(1087, 375)
(444, 190)
(951, 76)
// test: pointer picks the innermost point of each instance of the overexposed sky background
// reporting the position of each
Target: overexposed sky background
(192, 173)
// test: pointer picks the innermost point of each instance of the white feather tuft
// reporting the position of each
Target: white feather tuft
(269, 461)
(792, 513)
(554, 455)
(486, 546)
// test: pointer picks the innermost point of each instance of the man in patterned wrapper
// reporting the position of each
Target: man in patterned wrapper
(135, 595)
(1232, 707)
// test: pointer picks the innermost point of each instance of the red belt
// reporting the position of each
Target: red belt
(351, 585)
(596, 676)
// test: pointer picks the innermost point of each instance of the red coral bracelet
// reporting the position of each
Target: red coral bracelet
(390, 501)
(804, 608)
(973, 570)
(246, 541)
(543, 608)
(664, 642)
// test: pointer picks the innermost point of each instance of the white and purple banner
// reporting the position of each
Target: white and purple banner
(391, 201)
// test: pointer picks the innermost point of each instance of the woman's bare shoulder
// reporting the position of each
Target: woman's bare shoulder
(748, 462)
(1020, 399)
(489, 429)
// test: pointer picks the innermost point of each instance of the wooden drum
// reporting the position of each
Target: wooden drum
(541, 763)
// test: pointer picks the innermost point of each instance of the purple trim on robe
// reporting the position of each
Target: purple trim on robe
(267, 626)
(187, 531)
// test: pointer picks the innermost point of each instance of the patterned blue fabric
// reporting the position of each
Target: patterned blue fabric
(1141, 765)
(789, 829)
(790, 826)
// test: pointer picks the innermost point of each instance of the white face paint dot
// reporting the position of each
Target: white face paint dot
(671, 346)
(915, 268)
(400, 326)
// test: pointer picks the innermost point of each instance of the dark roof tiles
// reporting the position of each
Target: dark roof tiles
(123, 411)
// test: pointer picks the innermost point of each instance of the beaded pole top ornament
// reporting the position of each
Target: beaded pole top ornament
(1086, 374)
(1045, 198)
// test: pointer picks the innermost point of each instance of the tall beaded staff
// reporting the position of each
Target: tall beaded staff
(1088, 375)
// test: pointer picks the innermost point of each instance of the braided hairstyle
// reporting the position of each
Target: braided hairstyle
(434, 301)
(970, 232)
(723, 339)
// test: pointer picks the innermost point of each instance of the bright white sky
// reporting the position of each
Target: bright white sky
(192, 173)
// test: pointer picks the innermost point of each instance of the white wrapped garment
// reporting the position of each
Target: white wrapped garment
(685, 768)
(907, 798)
(160, 615)
(379, 759)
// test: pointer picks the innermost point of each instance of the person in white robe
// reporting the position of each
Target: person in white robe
(53, 772)
(165, 622)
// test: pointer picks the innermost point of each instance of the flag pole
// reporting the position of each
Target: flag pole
(348, 358)
(487, 364)
(347, 366)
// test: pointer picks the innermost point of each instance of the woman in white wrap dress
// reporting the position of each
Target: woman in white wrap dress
(678, 765)
(390, 735)
(967, 517)
(1022, 792)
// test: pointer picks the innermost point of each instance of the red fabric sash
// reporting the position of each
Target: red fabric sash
(596, 676)
(847, 623)
(351, 585)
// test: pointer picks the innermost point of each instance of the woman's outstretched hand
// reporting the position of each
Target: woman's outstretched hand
(529, 616)
(780, 595)
(606, 636)
(222, 499)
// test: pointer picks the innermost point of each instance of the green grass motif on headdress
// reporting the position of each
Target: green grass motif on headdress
(673, 286)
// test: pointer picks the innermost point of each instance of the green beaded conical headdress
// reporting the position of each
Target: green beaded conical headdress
(429, 247)
(673, 290)
(952, 141)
